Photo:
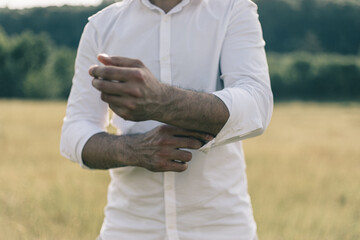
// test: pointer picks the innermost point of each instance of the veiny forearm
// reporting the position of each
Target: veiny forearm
(155, 150)
(137, 95)
(193, 110)
(105, 151)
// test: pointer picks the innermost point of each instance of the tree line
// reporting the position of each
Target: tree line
(320, 77)
(37, 49)
(31, 66)
(311, 26)
(308, 25)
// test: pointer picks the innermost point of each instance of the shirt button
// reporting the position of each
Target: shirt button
(166, 18)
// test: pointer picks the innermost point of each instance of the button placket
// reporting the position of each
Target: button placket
(169, 177)
(170, 206)
(165, 45)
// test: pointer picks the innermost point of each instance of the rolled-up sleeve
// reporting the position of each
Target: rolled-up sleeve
(86, 114)
(244, 70)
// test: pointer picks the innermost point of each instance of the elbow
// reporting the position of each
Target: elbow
(267, 110)
(66, 149)
(261, 101)
(270, 107)
(259, 131)
(265, 105)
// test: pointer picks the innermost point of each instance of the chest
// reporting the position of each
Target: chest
(179, 49)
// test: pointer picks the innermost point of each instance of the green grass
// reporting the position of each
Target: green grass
(303, 175)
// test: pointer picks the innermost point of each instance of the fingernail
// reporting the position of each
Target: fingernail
(209, 137)
(104, 55)
(91, 69)
(94, 82)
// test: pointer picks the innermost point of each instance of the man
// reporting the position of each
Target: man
(177, 166)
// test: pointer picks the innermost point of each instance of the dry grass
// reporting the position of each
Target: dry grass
(303, 175)
(42, 195)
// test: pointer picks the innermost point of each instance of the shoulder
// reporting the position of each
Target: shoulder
(225, 10)
(110, 12)
(221, 4)
(225, 7)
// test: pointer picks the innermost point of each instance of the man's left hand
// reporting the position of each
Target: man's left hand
(129, 88)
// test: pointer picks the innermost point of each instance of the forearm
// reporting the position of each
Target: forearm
(137, 95)
(193, 110)
(155, 150)
(105, 151)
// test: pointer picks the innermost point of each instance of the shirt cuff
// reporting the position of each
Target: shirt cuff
(74, 139)
(244, 120)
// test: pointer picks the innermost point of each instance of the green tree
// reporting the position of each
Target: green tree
(28, 53)
(53, 81)
(32, 66)
(4, 52)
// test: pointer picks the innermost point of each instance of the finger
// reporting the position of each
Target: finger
(176, 166)
(116, 102)
(116, 88)
(115, 73)
(120, 61)
(175, 155)
(187, 142)
(205, 137)
(182, 156)
(175, 131)
(122, 112)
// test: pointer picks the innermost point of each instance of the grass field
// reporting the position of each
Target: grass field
(304, 175)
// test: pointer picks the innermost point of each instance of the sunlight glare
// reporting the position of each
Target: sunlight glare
(43, 3)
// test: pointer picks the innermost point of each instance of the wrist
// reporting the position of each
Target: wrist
(164, 103)
(129, 149)
(175, 105)
(124, 150)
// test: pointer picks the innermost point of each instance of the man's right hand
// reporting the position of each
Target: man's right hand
(161, 149)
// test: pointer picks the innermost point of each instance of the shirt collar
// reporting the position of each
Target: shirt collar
(177, 8)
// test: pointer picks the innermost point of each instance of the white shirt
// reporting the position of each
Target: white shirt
(200, 45)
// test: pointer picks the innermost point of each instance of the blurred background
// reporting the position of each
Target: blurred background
(303, 173)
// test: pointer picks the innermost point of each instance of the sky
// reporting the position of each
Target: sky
(43, 3)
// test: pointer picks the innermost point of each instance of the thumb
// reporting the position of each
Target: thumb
(119, 61)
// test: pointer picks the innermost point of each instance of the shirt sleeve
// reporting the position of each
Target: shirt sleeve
(244, 70)
(86, 114)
